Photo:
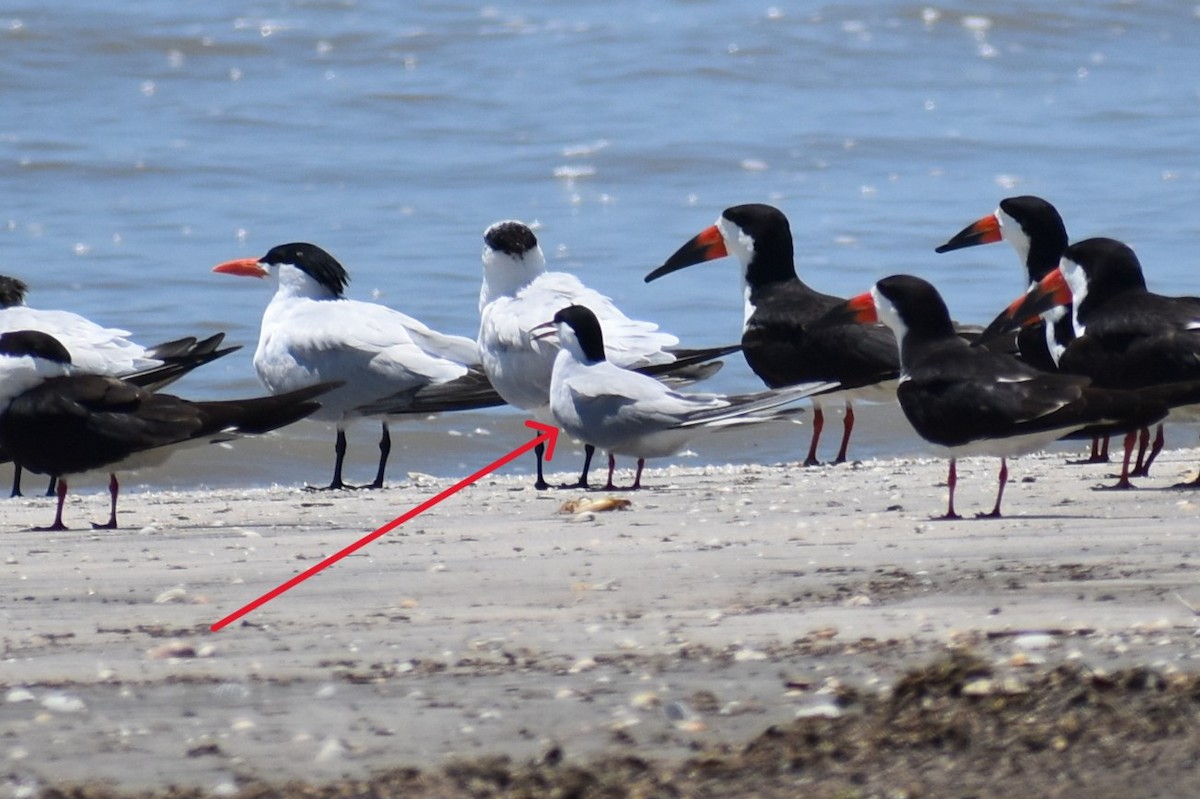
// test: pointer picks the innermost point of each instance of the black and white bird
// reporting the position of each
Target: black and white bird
(1125, 336)
(776, 340)
(627, 413)
(312, 333)
(1036, 231)
(519, 293)
(104, 350)
(975, 401)
(56, 422)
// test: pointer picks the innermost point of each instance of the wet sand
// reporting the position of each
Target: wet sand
(720, 602)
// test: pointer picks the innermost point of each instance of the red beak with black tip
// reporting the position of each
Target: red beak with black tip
(242, 267)
(1050, 292)
(704, 246)
(982, 231)
(858, 310)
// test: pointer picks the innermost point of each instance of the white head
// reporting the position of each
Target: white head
(512, 259)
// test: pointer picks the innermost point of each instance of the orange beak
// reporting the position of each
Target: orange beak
(707, 245)
(1050, 292)
(981, 231)
(242, 267)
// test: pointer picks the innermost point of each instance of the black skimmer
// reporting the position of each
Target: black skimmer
(102, 350)
(518, 294)
(1035, 229)
(1125, 335)
(58, 423)
(627, 413)
(776, 341)
(975, 401)
(311, 332)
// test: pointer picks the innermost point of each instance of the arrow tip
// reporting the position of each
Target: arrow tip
(549, 436)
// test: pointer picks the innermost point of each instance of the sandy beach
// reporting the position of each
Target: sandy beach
(720, 602)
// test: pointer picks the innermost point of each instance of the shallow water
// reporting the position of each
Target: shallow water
(143, 143)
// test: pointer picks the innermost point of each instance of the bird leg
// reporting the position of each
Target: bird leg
(588, 452)
(1143, 470)
(1123, 481)
(847, 426)
(385, 449)
(817, 423)
(612, 467)
(995, 514)
(339, 451)
(114, 488)
(952, 481)
(1099, 451)
(16, 486)
(539, 451)
(61, 490)
(1143, 443)
(637, 478)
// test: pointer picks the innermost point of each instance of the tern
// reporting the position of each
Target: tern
(312, 333)
(627, 413)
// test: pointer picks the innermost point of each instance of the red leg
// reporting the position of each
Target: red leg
(1143, 443)
(637, 478)
(114, 488)
(817, 423)
(1155, 448)
(1104, 451)
(1123, 481)
(612, 466)
(995, 514)
(61, 491)
(847, 426)
(952, 481)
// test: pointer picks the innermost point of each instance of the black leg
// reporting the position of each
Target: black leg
(541, 484)
(16, 487)
(385, 449)
(588, 452)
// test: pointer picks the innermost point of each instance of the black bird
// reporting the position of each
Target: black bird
(101, 350)
(1037, 232)
(776, 341)
(57, 423)
(1125, 335)
(975, 401)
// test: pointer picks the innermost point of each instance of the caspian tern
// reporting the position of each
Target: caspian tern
(518, 293)
(59, 423)
(311, 332)
(627, 413)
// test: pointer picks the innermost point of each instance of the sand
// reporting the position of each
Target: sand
(720, 602)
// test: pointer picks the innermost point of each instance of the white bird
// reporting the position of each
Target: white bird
(57, 422)
(311, 333)
(626, 413)
(518, 294)
(99, 350)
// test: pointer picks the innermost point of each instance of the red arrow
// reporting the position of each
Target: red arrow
(548, 435)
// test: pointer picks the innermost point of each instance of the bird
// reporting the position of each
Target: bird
(58, 422)
(776, 341)
(975, 401)
(627, 413)
(1125, 336)
(312, 333)
(519, 293)
(101, 350)
(1036, 231)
